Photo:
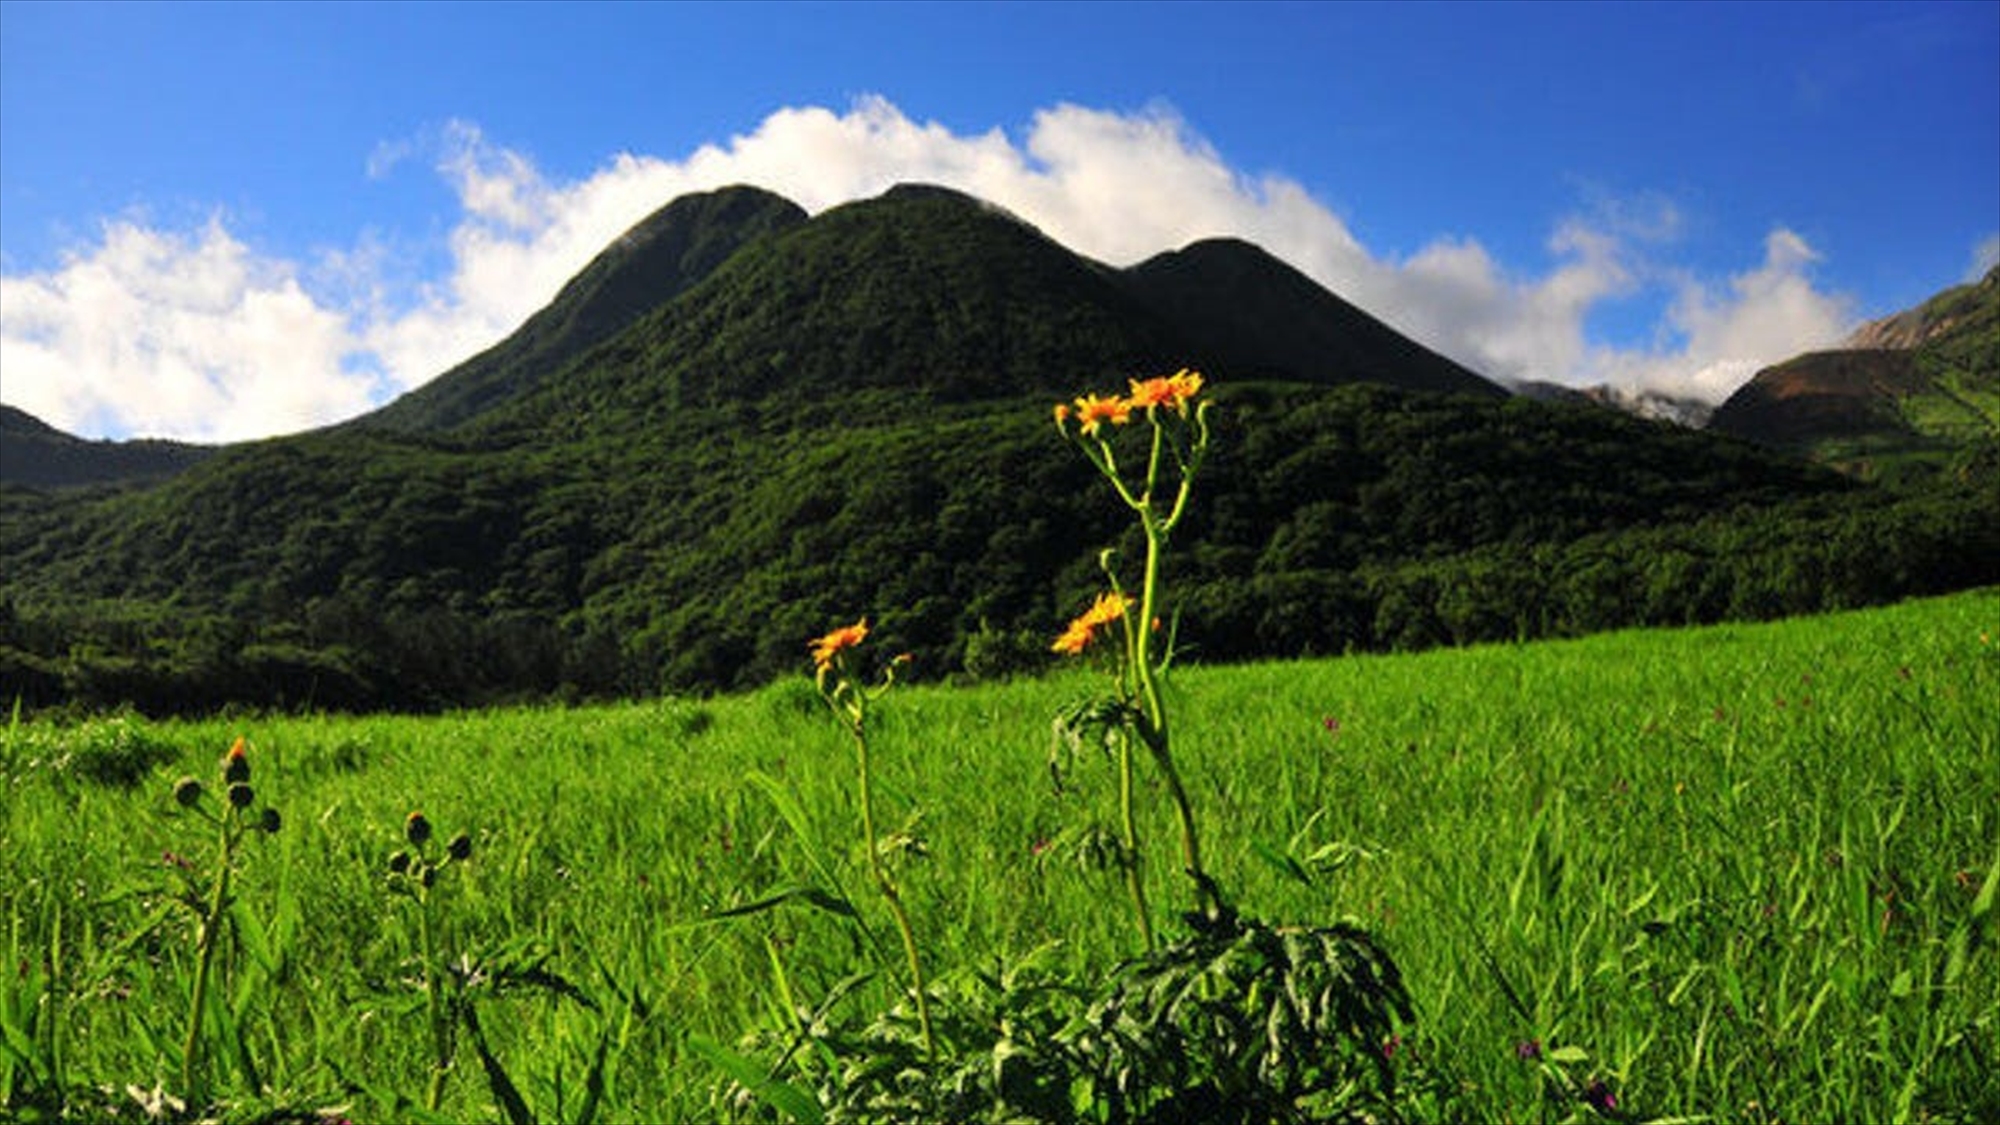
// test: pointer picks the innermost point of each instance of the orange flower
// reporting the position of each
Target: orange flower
(1072, 640)
(1168, 390)
(837, 642)
(1107, 608)
(236, 764)
(1092, 411)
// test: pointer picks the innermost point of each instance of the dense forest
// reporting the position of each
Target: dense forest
(740, 427)
(405, 573)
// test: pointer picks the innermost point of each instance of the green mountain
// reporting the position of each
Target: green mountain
(849, 415)
(1277, 322)
(925, 291)
(34, 454)
(1909, 391)
(664, 255)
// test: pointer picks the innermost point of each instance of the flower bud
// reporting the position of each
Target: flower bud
(187, 791)
(236, 766)
(427, 874)
(460, 847)
(271, 821)
(416, 829)
(241, 795)
(399, 862)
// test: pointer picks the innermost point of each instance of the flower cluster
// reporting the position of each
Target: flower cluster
(236, 818)
(1107, 609)
(235, 769)
(1173, 392)
(421, 868)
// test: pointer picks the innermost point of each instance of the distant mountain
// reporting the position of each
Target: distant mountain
(928, 292)
(34, 454)
(1653, 405)
(1912, 387)
(1247, 312)
(1822, 396)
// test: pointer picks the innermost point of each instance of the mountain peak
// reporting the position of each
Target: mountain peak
(736, 296)
(654, 261)
(1245, 309)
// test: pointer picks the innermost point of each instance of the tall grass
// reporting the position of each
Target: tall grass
(1739, 873)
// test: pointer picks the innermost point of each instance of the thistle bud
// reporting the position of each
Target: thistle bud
(271, 821)
(399, 862)
(241, 795)
(427, 874)
(187, 791)
(417, 830)
(236, 765)
(460, 847)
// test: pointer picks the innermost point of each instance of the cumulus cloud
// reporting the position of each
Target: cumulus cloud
(1725, 333)
(1985, 256)
(196, 335)
(187, 335)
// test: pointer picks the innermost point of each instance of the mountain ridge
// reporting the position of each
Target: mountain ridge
(1907, 390)
(654, 261)
(34, 454)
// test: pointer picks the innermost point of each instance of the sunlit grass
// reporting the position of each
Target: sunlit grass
(1727, 872)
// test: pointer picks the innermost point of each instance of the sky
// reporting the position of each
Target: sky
(221, 222)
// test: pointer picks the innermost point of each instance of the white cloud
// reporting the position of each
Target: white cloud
(1761, 316)
(1985, 256)
(196, 335)
(184, 335)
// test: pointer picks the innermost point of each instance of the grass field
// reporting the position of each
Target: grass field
(1741, 873)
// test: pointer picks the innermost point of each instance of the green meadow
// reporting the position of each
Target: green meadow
(1737, 873)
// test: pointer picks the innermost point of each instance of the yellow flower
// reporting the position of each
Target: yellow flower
(1168, 390)
(837, 642)
(1107, 609)
(1092, 411)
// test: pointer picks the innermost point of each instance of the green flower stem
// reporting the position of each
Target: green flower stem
(1154, 729)
(205, 943)
(857, 715)
(440, 1033)
(1133, 859)
(1144, 672)
(1185, 438)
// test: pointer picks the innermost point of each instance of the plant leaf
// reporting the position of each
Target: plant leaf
(783, 1097)
(504, 1090)
(810, 895)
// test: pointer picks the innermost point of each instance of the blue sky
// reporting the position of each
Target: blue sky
(225, 221)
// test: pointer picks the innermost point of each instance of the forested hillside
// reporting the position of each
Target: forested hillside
(34, 454)
(849, 415)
